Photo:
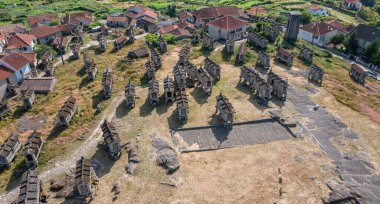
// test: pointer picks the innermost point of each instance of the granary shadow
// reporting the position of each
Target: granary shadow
(205, 52)
(258, 103)
(173, 121)
(221, 133)
(163, 107)
(215, 120)
(146, 109)
(226, 56)
(277, 102)
(280, 64)
(97, 99)
(144, 81)
(305, 62)
(15, 178)
(71, 59)
(19, 112)
(84, 82)
(122, 110)
(199, 95)
(243, 88)
(55, 132)
(82, 71)
(314, 83)
(101, 162)
(262, 70)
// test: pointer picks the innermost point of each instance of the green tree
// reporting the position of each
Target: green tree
(54, 22)
(351, 43)
(152, 38)
(306, 17)
(170, 38)
(369, 3)
(372, 49)
(376, 57)
(337, 39)
(259, 27)
(378, 9)
(172, 10)
(41, 49)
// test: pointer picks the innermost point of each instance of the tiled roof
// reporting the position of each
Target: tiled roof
(228, 23)
(167, 29)
(76, 18)
(45, 31)
(185, 15)
(12, 28)
(367, 33)
(19, 40)
(214, 12)
(148, 13)
(5, 72)
(185, 24)
(31, 56)
(315, 7)
(257, 10)
(32, 20)
(284, 52)
(15, 60)
(116, 18)
(181, 32)
(42, 84)
(320, 28)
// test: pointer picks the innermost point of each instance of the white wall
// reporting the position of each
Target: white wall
(320, 12)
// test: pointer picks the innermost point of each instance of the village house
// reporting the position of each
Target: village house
(365, 35)
(358, 73)
(77, 19)
(143, 16)
(9, 149)
(317, 10)
(20, 43)
(226, 26)
(14, 68)
(45, 19)
(181, 30)
(342, 28)
(257, 11)
(185, 16)
(206, 15)
(12, 29)
(352, 4)
(317, 33)
(47, 34)
(117, 20)
(166, 22)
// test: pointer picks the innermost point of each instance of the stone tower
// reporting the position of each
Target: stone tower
(292, 26)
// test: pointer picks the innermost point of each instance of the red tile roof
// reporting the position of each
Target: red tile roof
(284, 52)
(181, 32)
(4, 72)
(352, 1)
(320, 28)
(32, 20)
(148, 13)
(19, 40)
(257, 10)
(31, 56)
(45, 31)
(214, 12)
(315, 7)
(76, 18)
(12, 28)
(228, 23)
(118, 18)
(15, 60)
(185, 24)
(167, 29)
(184, 15)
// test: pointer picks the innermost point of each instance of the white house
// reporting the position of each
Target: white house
(16, 66)
(20, 43)
(317, 10)
(225, 26)
(352, 4)
(317, 33)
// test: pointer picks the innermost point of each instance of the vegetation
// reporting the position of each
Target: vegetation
(337, 39)
(41, 49)
(373, 52)
(152, 38)
(306, 17)
(350, 43)
(170, 38)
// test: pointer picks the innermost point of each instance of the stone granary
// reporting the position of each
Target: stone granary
(179, 77)
(162, 46)
(292, 27)
(46, 58)
(32, 149)
(229, 45)
(156, 59)
(169, 90)
(192, 71)
(205, 80)
(131, 36)
(263, 60)
(242, 53)
(150, 69)
(49, 69)
(255, 81)
(358, 73)
(316, 74)
(31, 189)
(67, 112)
(138, 53)
(107, 82)
(212, 68)
(4, 108)
(85, 178)
(111, 139)
(279, 85)
(28, 97)
(257, 40)
(120, 42)
(182, 106)
(306, 53)
(102, 44)
(130, 95)
(208, 42)
(154, 92)
(92, 70)
(9, 150)
(196, 38)
(76, 51)
(284, 56)
(184, 54)
(224, 106)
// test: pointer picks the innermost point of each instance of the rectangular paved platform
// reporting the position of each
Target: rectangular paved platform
(217, 137)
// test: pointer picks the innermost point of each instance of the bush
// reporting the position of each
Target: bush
(41, 49)
(170, 38)
(152, 38)
(306, 17)
(337, 39)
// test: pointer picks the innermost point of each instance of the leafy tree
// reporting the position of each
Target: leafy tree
(378, 9)
(371, 50)
(170, 38)
(152, 38)
(172, 10)
(259, 27)
(306, 17)
(41, 49)
(337, 39)
(351, 43)
(369, 3)
(376, 57)
(281, 19)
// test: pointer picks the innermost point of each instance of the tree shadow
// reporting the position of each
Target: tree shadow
(226, 56)
(199, 95)
(15, 178)
(146, 109)
(122, 110)
(144, 81)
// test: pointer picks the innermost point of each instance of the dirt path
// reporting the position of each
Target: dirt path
(65, 164)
